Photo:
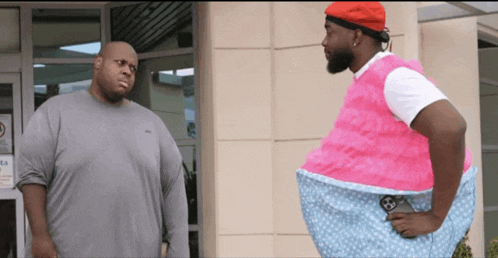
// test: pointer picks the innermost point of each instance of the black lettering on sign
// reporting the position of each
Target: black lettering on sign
(2, 129)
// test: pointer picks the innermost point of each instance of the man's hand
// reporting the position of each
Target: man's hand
(413, 224)
(43, 247)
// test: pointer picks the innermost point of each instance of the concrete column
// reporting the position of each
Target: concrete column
(236, 129)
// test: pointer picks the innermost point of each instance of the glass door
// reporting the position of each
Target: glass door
(11, 202)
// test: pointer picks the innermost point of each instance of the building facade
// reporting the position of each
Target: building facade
(243, 88)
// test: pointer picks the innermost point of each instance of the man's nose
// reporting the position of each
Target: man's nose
(324, 42)
(127, 70)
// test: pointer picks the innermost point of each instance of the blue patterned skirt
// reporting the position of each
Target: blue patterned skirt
(345, 219)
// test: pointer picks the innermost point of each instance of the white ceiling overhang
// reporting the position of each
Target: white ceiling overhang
(452, 10)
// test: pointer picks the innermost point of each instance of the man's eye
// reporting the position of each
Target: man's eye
(120, 62)
(133, 69)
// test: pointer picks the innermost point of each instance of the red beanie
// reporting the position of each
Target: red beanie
(368, 14)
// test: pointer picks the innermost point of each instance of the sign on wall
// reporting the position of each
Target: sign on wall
(6, 171)
(6, 133)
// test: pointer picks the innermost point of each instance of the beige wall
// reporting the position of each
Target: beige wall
(267, 100)
(449, 55)
(242, 128)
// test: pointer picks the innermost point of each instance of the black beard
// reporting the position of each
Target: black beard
(112, 97)
(340, 60)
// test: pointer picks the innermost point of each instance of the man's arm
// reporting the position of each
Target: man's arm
(176, 215)
(34, 196)
(445, 129)
(35, 166)
(174, 205)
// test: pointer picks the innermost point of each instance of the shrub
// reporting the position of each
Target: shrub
(493, 248)
(462, 250)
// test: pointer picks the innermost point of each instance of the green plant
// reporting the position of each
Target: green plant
(493, 248)
(462, 250)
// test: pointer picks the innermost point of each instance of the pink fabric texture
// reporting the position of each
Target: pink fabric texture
(368, 146)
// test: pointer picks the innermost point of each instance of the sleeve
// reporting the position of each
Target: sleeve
(407, 92)
(36, 161)
(175, 208)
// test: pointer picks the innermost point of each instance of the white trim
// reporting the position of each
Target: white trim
(186, 142)
(166, 53)
(85, 60)
(58, 5)
(103, 24)
(20, 223)
(487, 33)
(11, 63)
(198, 127)
(440, 12)
(451, 10)
(487, 49)
(9, 5)
(469, 8)
(489, 147)
(9, 194)
(27, 80)
(488, 81)
(192, 227)
(490, 208)
(27, 90)
(121, 4)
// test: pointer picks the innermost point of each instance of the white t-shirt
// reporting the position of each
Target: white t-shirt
(406, 91)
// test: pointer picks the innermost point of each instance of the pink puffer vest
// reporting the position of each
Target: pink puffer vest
(368, 146)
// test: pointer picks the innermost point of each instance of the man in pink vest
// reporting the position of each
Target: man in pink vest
(396, 135)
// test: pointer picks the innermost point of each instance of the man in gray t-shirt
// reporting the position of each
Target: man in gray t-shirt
(101, 175)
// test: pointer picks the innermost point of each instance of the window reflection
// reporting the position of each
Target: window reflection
(66, 33)
(183, 79)
(166, 86)
(54, 79)
(190, 176)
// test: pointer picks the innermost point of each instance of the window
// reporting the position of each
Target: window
(66, 33)
(54, 79)
(165, 82)
(9, 28)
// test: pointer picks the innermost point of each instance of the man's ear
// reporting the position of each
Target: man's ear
(357, 34)
(98, 62)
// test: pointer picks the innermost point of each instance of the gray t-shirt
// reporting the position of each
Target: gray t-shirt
(113, 175)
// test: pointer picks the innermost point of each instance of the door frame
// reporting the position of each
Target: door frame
(13, 193)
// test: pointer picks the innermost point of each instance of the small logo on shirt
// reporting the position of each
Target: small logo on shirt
(148, 131)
